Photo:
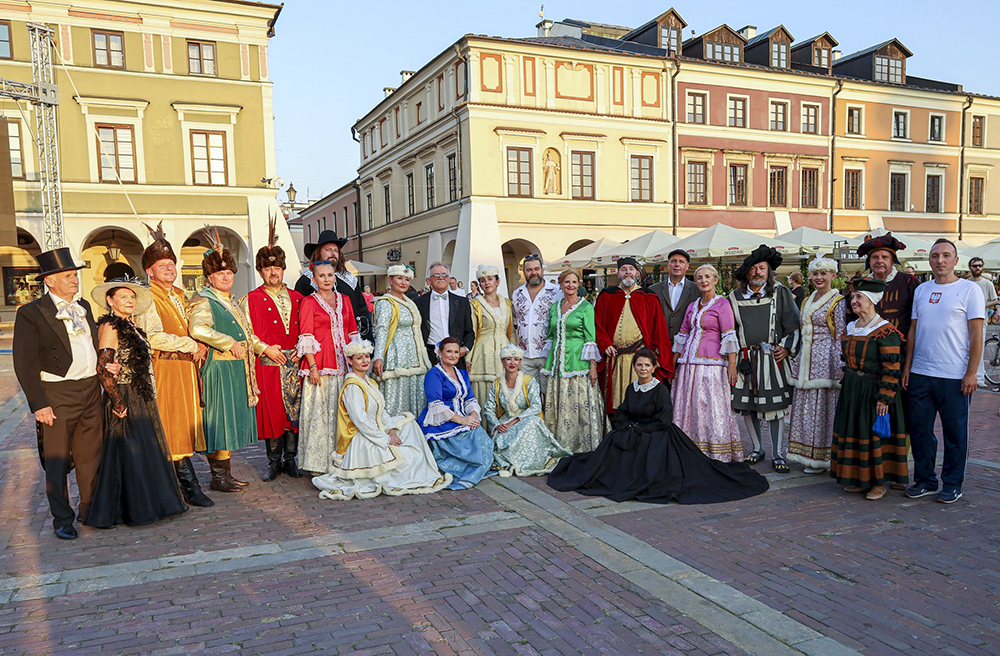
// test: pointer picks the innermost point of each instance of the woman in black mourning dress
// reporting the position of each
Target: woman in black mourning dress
(648, 458)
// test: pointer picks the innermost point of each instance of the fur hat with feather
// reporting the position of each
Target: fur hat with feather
(218, 258)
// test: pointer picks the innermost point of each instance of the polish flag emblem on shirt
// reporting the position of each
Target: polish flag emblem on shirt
(935, 297)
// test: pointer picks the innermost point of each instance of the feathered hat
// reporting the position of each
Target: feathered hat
(217, 258)
(884, 242)
(160, 248)
(762, 253)
(272, 254)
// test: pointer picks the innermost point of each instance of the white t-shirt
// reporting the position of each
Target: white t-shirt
(942, 313)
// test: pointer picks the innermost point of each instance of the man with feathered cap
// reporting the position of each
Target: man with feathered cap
(767, 325)
(628, 318)
(881, 261)
(273, 310)
(176, 357)
(229, 372)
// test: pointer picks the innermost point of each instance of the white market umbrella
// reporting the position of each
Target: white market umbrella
(650, 247)
(583, 257)
(916, 247)
(362, 269)
(721, 240)
(811, 240)
(990, 252)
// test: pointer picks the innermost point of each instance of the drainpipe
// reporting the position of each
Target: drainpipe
(673, 132)
(458, 128)
(833, 147)
(357, 206)
(961, 168)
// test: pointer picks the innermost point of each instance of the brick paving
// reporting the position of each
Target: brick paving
(880, 578)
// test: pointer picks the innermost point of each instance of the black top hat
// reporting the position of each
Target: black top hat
(325, 237)
(56, 261)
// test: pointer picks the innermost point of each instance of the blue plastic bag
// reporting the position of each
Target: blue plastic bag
(881, 426)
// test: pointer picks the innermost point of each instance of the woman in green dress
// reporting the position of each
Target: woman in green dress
(513, 415)
(400, 357)
(862, 461)
(574, 409)
(493, 323)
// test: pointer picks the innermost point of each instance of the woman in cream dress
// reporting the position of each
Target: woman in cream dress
(493, 323)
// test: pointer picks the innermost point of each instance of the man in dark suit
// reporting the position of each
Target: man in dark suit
(677, 292)
(444, 314)
(55, 361)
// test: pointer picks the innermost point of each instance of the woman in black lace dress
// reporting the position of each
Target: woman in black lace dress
(136, 483)
(646, 457)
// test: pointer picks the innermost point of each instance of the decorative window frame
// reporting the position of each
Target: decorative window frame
(95, 111)
(708, 104)
(904, 167)
(788, 113)
(909, 125)
(819, 118)
(976, 171)
(855, 135)
(740, 157)
(854, 164)
(944, 127)
(748, 111)
(706, 156)
(774, 160)
(183, 111)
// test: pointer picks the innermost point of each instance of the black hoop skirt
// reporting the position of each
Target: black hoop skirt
(648, 458)
(136, 483)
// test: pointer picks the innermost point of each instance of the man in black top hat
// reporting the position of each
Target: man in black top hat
(55, 361)
(677, 292)
(327, 248)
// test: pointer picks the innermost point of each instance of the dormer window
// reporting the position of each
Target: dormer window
(779, 54)
(723, 52)
(821, 57)
(889, 69)
(670, 38)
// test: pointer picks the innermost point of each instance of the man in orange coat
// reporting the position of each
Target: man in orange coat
(176, 357)
(273, 310)
(628, 318)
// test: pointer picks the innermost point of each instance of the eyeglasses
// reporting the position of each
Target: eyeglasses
(535, 257)
(439, 275)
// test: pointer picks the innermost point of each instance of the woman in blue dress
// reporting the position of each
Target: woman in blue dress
(451, 423)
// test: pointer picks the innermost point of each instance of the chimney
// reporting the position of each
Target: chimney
(388, 91)
(406, 75)
(544, 27)
(748, 32)
(837, 54)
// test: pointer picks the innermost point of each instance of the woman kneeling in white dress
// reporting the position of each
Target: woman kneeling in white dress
(376, 454)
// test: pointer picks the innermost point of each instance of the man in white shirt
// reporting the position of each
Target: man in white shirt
(531, 303)
(444, 314)
(677, 292)
(990, 294)
(943, 351)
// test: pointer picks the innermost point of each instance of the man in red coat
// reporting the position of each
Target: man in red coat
(273, 310)
(628, 318)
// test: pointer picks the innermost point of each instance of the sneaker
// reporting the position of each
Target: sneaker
(918, 490)
(949, 496)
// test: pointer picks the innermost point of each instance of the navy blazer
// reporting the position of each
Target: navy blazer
(459, 320)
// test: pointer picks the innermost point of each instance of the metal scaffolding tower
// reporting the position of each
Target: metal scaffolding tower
(43, 93)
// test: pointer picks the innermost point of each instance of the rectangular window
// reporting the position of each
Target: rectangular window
(670, 38)
(778, 181)
(900, 125)
(779, 55)
(109, 49)
(889, 70)
(978, 130)
(116, 153)
(641, 178)
(356, 215)
(737, 112)
(429, 181)
(852, 189)
(6, 49)
(201, 57)
(821, 57)
(810, 119)
(371, 211)
(697, 183)
(779, 116)
(933, 200)
(976, 186)
(420, 116)
(853, 120)
(810, 188)
(383, 134)
(410, 206)
(208, 158)
(452, 178)
(897, 192)
(937, 128)
(696, 108)
(16, 154)
(723, 52)
(519, 172)
(582, 175)
(387, 200)
(738, 184)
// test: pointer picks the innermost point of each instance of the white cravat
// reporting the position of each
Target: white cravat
(84, 363)
(439, 315)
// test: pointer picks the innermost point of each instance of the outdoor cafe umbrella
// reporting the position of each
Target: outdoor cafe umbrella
(583, 257)
(362, 269)
(649, 248)
(721, 240)
(990, 252)
(916, 248)
(811, 240)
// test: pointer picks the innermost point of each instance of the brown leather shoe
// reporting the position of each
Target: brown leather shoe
(854, 489)
(876, 493)
(221, 480)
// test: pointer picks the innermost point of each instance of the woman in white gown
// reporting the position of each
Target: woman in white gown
(376, 454)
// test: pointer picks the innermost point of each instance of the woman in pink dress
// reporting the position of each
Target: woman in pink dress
(818, 370)
(705, 361)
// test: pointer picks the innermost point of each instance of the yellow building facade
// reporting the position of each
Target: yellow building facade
(165, 114)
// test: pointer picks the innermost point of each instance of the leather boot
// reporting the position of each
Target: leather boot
(273, 448)
(290, 443)
(221, 479)
(232, 479)
(190, 487)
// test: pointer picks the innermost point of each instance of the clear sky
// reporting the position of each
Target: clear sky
(330, 59)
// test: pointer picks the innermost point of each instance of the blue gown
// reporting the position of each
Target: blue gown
(465, 453)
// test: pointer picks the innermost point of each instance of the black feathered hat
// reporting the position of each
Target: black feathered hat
(884, 242)
(762, 253)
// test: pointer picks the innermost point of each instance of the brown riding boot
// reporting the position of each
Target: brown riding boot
(221, 479)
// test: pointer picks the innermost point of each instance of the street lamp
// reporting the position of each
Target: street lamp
(291, 193)
(114, 250)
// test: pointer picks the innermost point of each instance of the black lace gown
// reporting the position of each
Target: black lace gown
(648, 458)
(136, 483)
